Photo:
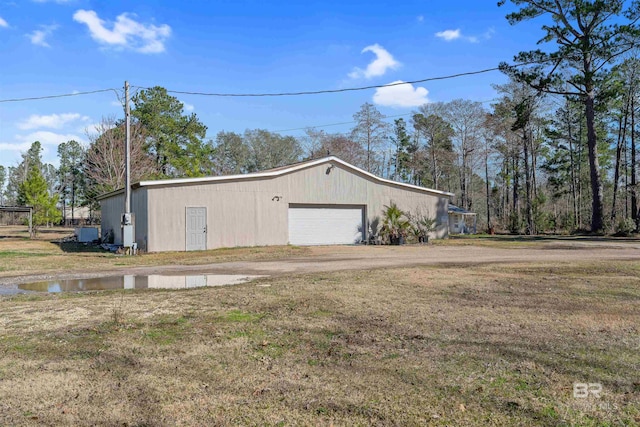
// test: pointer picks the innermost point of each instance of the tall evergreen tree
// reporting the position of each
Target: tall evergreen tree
(172, 137)
(70, 175)
(18, 174)
(34, 192)
(402, 142)
(589, 36)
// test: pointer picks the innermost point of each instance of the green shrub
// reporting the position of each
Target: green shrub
(625, 227)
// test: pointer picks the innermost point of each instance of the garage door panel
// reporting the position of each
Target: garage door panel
(331, 225)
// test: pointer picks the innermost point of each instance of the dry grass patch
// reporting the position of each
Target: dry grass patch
(48, 253)
(483, 345)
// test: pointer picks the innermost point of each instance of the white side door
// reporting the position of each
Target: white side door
(196, 229)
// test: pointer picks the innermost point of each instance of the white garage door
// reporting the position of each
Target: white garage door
(325, 225)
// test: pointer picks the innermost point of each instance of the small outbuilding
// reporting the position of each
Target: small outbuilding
(318, 202)
(462, 221)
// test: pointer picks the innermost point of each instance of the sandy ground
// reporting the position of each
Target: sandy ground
(339, 258)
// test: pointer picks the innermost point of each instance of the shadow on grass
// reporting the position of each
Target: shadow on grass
(76, 247)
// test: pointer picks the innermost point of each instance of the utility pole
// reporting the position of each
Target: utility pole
(127, 151)
(128, 233)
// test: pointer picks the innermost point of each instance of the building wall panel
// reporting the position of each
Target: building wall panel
(254, 212)
(139, 207)
(112, 209)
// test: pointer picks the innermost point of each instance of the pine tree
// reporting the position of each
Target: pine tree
(33, 192)
(586, 39)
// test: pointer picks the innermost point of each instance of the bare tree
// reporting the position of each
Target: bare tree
(467, 120)
(3, 176)
(268, 150)
(323, 144)
(627, 80)
(104, 165)
(230, 154)
(371, 131)
(523, 103)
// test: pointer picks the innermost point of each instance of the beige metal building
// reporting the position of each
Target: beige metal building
(324, 201)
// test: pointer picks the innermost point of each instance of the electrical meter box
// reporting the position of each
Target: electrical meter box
(128, 230)
(128, 236)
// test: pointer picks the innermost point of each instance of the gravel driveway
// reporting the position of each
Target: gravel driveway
(335, 258)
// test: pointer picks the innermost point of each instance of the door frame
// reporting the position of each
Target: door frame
(186, 228)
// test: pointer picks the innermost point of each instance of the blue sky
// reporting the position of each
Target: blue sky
(62, 46)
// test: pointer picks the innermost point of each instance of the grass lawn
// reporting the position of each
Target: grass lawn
(480, 345)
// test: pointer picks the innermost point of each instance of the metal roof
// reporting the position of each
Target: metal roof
(16, 208)
(274, 173)
(459, 210)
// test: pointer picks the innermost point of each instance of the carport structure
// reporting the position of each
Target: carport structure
(20, 209)
(322, 201)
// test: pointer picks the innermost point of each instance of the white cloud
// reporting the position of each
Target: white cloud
(489, 33)
(384, 61)
(188, 107)
(52, 121)
(15, 146)
(399, 94)
(49, 141)
(38, 37)
(23, 142)
(420, 18)
(3, 23)
(48, 138)
(126, 33)
(449, 35)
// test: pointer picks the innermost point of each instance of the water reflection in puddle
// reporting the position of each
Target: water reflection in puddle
(154, 281)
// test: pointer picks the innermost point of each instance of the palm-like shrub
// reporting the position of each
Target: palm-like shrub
(395, 224)
(421, 225)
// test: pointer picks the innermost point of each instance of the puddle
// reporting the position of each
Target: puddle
(154, 281)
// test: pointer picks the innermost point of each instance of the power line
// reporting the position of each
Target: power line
(64, 95)
(275, 94)
(319, 92)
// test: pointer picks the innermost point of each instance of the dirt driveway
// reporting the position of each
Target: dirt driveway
(336, 258)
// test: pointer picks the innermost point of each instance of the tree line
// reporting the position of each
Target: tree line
(556, 152)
